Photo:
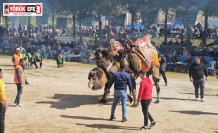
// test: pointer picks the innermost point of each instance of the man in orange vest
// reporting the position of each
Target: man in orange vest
(19, 80)
(16, 57)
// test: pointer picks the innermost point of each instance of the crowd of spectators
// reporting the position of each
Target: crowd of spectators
(73, 51)
(49, 49)
(196, 31)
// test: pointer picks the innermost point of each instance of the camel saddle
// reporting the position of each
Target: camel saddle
(143, 52)
(146, 52)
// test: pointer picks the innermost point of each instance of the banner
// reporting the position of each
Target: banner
(22, 9)
(14, 24)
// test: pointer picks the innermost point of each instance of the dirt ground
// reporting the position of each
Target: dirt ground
(58, 101)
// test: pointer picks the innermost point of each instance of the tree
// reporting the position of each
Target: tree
(148, 11)
(184, 10)
(107, 8)
(165, 5)
(79, 8)
(69, 7)
(210, 8)
(6, 18)
(133, 7)
(54, 7)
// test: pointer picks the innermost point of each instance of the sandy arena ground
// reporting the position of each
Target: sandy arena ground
(58, 101)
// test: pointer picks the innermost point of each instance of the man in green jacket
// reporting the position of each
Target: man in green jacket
(38, 58)
(60, 61)
(31, 60)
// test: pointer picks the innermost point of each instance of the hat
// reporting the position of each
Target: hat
(18, 49)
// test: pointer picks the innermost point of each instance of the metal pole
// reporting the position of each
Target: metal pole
(1, 19)
(127, 17)
(29, 34)
(52, 20)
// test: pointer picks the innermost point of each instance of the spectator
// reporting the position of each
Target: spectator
(59, 50)
(196, 74)
(60, 61)
(66, 52)
(121, 80)
(163, 65)
(170, 42)
(76, 51)
(38, 58)
(43, 50)
(19, 79)
(3, 105)
(177, 43)
(145, 96)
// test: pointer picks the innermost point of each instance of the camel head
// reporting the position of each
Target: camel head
(101, 53)
(98, 54)
(97, 79)
(93, 79)
(92, 55)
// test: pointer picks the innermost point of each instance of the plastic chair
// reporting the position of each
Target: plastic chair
(211, 68)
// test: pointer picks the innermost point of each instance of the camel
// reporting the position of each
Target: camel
(133, 58)
(100, 76)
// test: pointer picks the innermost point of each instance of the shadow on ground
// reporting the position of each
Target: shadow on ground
(107, 126)
(70, 101)
(8, 69)
(82, 117)
(191, 112)
(9, 83)
(194, 94)
(7, 65)
(172, 98)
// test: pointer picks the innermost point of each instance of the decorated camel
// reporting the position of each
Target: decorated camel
(140, 55)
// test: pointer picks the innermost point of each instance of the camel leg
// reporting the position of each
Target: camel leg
(156, 82)
(134, 93)
(109, 76)
(104, 97)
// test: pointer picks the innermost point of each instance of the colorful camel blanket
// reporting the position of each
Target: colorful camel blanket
(149, 52)
(142, 49)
